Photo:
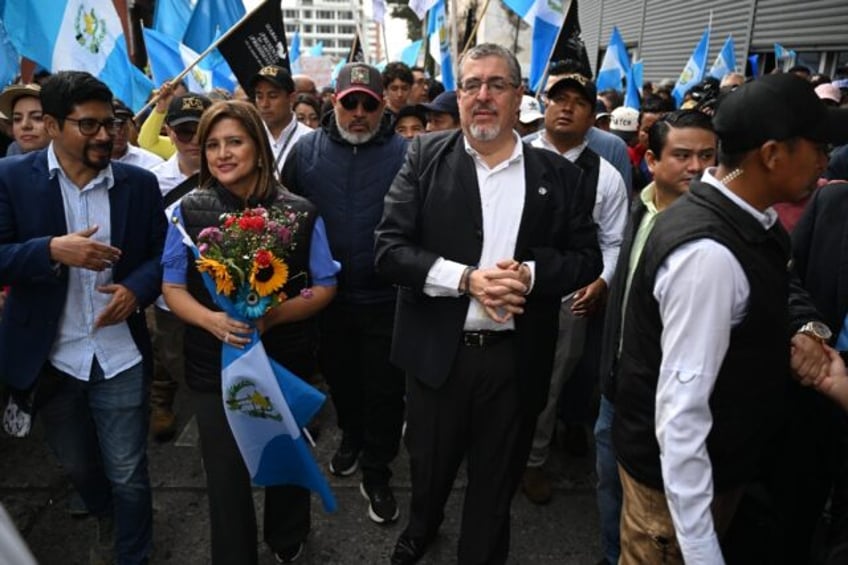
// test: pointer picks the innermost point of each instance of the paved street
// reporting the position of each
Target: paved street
(33, 491)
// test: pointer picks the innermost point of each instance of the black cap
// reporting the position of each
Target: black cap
(444, 103)
(778, 107)
(187, 107)
(415, 110)
(276, 75)
(581, 83)
(121, 110)
(359, 77)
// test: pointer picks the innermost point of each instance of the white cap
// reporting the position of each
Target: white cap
(530, 110)
(624, 119)
(829, 91)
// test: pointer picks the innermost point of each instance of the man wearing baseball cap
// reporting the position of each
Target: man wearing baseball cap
(702, 389)
(530, 116)
(345, 168)
(442, 112)
(271, 90)
(123, 149)
(176, 176)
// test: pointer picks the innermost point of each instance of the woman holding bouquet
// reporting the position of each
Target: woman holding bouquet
(237, 175)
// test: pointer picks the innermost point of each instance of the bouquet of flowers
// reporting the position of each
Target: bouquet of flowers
(246, 255)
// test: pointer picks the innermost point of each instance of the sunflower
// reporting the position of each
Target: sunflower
(223, 280)
(269, 273)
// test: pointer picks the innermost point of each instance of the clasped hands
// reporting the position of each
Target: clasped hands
(501, 289)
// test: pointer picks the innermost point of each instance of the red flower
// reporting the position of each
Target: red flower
(263, 258)
(229, 221)
(257, 223)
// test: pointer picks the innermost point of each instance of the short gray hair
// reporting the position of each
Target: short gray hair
(492, 50)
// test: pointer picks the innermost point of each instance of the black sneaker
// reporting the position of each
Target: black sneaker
(345, 462)
(289, 554)
(382, 507)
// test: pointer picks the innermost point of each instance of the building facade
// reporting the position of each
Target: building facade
(663, 33)
(331, 22)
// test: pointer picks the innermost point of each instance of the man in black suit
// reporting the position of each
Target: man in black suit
(484, 235)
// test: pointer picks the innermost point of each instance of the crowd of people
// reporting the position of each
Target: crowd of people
(481, 265)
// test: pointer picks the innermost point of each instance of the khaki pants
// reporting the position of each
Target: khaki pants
(647, 531)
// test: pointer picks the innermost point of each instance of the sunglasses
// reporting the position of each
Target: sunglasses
(185, 132)
(351, 101)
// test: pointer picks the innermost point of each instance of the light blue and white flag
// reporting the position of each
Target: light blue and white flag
(437, 29)
(294, 53)
(420, 7)
(783, 57)
(546, 20)
(378, 11)
(10, 61)
(634, 80)
(171, 17)
(266, 407)
(316, 50)
(616, 64)
(168, 58)
(210, 19)
(693, 72)
(725, 60)
(82, 35)
(409, 54)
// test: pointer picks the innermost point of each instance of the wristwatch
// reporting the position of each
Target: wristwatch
(816, 330)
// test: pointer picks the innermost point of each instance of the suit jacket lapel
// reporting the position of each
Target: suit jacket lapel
(460, 168)
(118, 208)
(54, 205)
(537, 191)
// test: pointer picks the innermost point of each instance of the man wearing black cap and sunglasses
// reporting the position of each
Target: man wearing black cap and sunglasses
(345, 168)
(705, 355)
(176, 176)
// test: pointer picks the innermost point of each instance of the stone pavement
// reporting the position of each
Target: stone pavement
(564, 532)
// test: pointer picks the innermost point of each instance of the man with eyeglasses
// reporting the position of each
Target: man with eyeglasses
(123, 149)
(569, 115)
(177, 176)
(80, 244)
(345, 168)
(483, 235)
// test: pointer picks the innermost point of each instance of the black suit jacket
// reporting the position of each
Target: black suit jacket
(433, 210)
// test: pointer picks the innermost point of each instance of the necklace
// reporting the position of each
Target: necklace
(731, 176)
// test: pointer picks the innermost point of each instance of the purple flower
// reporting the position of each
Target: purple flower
(307, 293)
(211, 234)
(284, 234)
(203, 248)
(260, 211)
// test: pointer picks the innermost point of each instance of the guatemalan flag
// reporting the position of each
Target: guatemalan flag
(725, 61)
(168, 58)
(693, 72)
(437, 28)
(267, 406)
(616, 64)
(545, 17)
(83, 35)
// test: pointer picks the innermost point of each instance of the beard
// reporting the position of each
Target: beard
(357, 138)
(101, 163)
(480, 132)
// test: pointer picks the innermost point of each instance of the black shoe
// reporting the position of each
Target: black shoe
(409, 550)
(289, 554)
(382, 507)
(345, 462)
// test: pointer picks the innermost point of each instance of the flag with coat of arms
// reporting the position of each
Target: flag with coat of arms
(693, 72)
(82, 35)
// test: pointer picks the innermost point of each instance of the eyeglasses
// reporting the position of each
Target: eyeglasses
(185, 132)
(351, 101)
(90, 127)
(496, 85)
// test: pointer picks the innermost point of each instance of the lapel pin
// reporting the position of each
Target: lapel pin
(543, 191)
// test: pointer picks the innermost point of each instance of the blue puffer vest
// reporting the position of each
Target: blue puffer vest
(348, 184)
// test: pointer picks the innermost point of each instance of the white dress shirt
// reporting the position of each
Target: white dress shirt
(140, 157)
(78, 342)
(702, 293)
(502, 199)
(281, 146)
(611, 203)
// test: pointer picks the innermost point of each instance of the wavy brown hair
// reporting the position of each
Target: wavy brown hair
(248, 116)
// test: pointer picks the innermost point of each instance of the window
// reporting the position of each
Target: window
(290, 14)
(324, 29)
(345, 15)
(307, 28)
(307, 14)
(326, 15)
(346, 30)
